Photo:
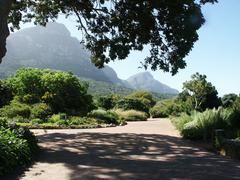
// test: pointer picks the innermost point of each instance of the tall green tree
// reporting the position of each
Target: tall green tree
(113, 28)
(202, 94)
(62, 91)
(144, 96)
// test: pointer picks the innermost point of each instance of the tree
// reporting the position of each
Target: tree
(229, 99)
(62, 91)
(113, 28)
(5, 94)
(144, 96)
(202, 94)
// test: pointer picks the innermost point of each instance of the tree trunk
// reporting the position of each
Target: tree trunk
(5, 6)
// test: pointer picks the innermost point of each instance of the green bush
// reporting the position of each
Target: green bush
(179, 122)
(228, 100)
(106, 102)
(37, 121)
(132, 115)
(168, 108)
(202, 125)
(17, 147)
(41, 111)
(75, 120)
(108, 117)
(5, 94)
(16, 109)
(129, 104)
(235, 116)
(159, 112)
(144, 96)
(62, 91)
(59, 119)
(191, 130)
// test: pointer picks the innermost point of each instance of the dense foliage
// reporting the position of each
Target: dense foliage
(62, 91)
(201, 93)
(172, 107)
(17, 146)
(201, 125)
(132, 115)
(144, 96)
(5, 94)
(108, 117)
(107, 102)
(129, 104)
(112, 29)
(228, 99)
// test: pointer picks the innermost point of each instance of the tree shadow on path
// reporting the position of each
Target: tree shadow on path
(133, 156)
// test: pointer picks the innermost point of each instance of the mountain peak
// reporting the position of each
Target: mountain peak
(142, 75)
(52, 28)
(146, 81)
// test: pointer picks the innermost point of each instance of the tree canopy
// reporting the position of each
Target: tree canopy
(201, 93)
(62, 91)
(113, 28)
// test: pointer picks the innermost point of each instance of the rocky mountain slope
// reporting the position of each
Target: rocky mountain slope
(53, 47)
(145, 81)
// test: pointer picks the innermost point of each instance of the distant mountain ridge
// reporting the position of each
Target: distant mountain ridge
(145, 81)
(53, 47)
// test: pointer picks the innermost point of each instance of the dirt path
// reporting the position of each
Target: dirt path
(140, 150)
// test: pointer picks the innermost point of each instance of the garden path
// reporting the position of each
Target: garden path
(139, 150)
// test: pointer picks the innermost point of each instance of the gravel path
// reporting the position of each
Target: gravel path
(139, 150)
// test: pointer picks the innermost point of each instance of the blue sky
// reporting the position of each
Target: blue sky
(216, 54)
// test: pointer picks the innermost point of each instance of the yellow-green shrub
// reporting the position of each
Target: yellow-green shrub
(132, 115)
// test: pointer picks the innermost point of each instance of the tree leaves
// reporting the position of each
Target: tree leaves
(112, 29)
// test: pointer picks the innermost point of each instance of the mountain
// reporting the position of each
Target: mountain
(52, 47)
(104, 88)
(145, 81)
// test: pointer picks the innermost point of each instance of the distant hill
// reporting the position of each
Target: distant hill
(145, 81)
(53, 47)
(104, 89)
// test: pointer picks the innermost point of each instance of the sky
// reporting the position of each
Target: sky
(216, 53)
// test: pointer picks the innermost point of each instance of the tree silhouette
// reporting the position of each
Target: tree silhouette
(113, 28)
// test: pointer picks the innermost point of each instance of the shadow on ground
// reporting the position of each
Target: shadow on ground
(133, 156)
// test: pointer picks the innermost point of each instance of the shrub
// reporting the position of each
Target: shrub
(16, 109)
(168, 108)
(132, 115)
(5, 94)
(59, 119)
(106, 102)
(144, 96)
(108, 117)
(17, 147)
(228, 100)
(159, 112)
(29, 99)
(37, 121)
(75, 120)
(191, 130)
(202, 125)
(41, 111)
(62, 91)
(235, 116)
(181, 121)
(129, 104)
